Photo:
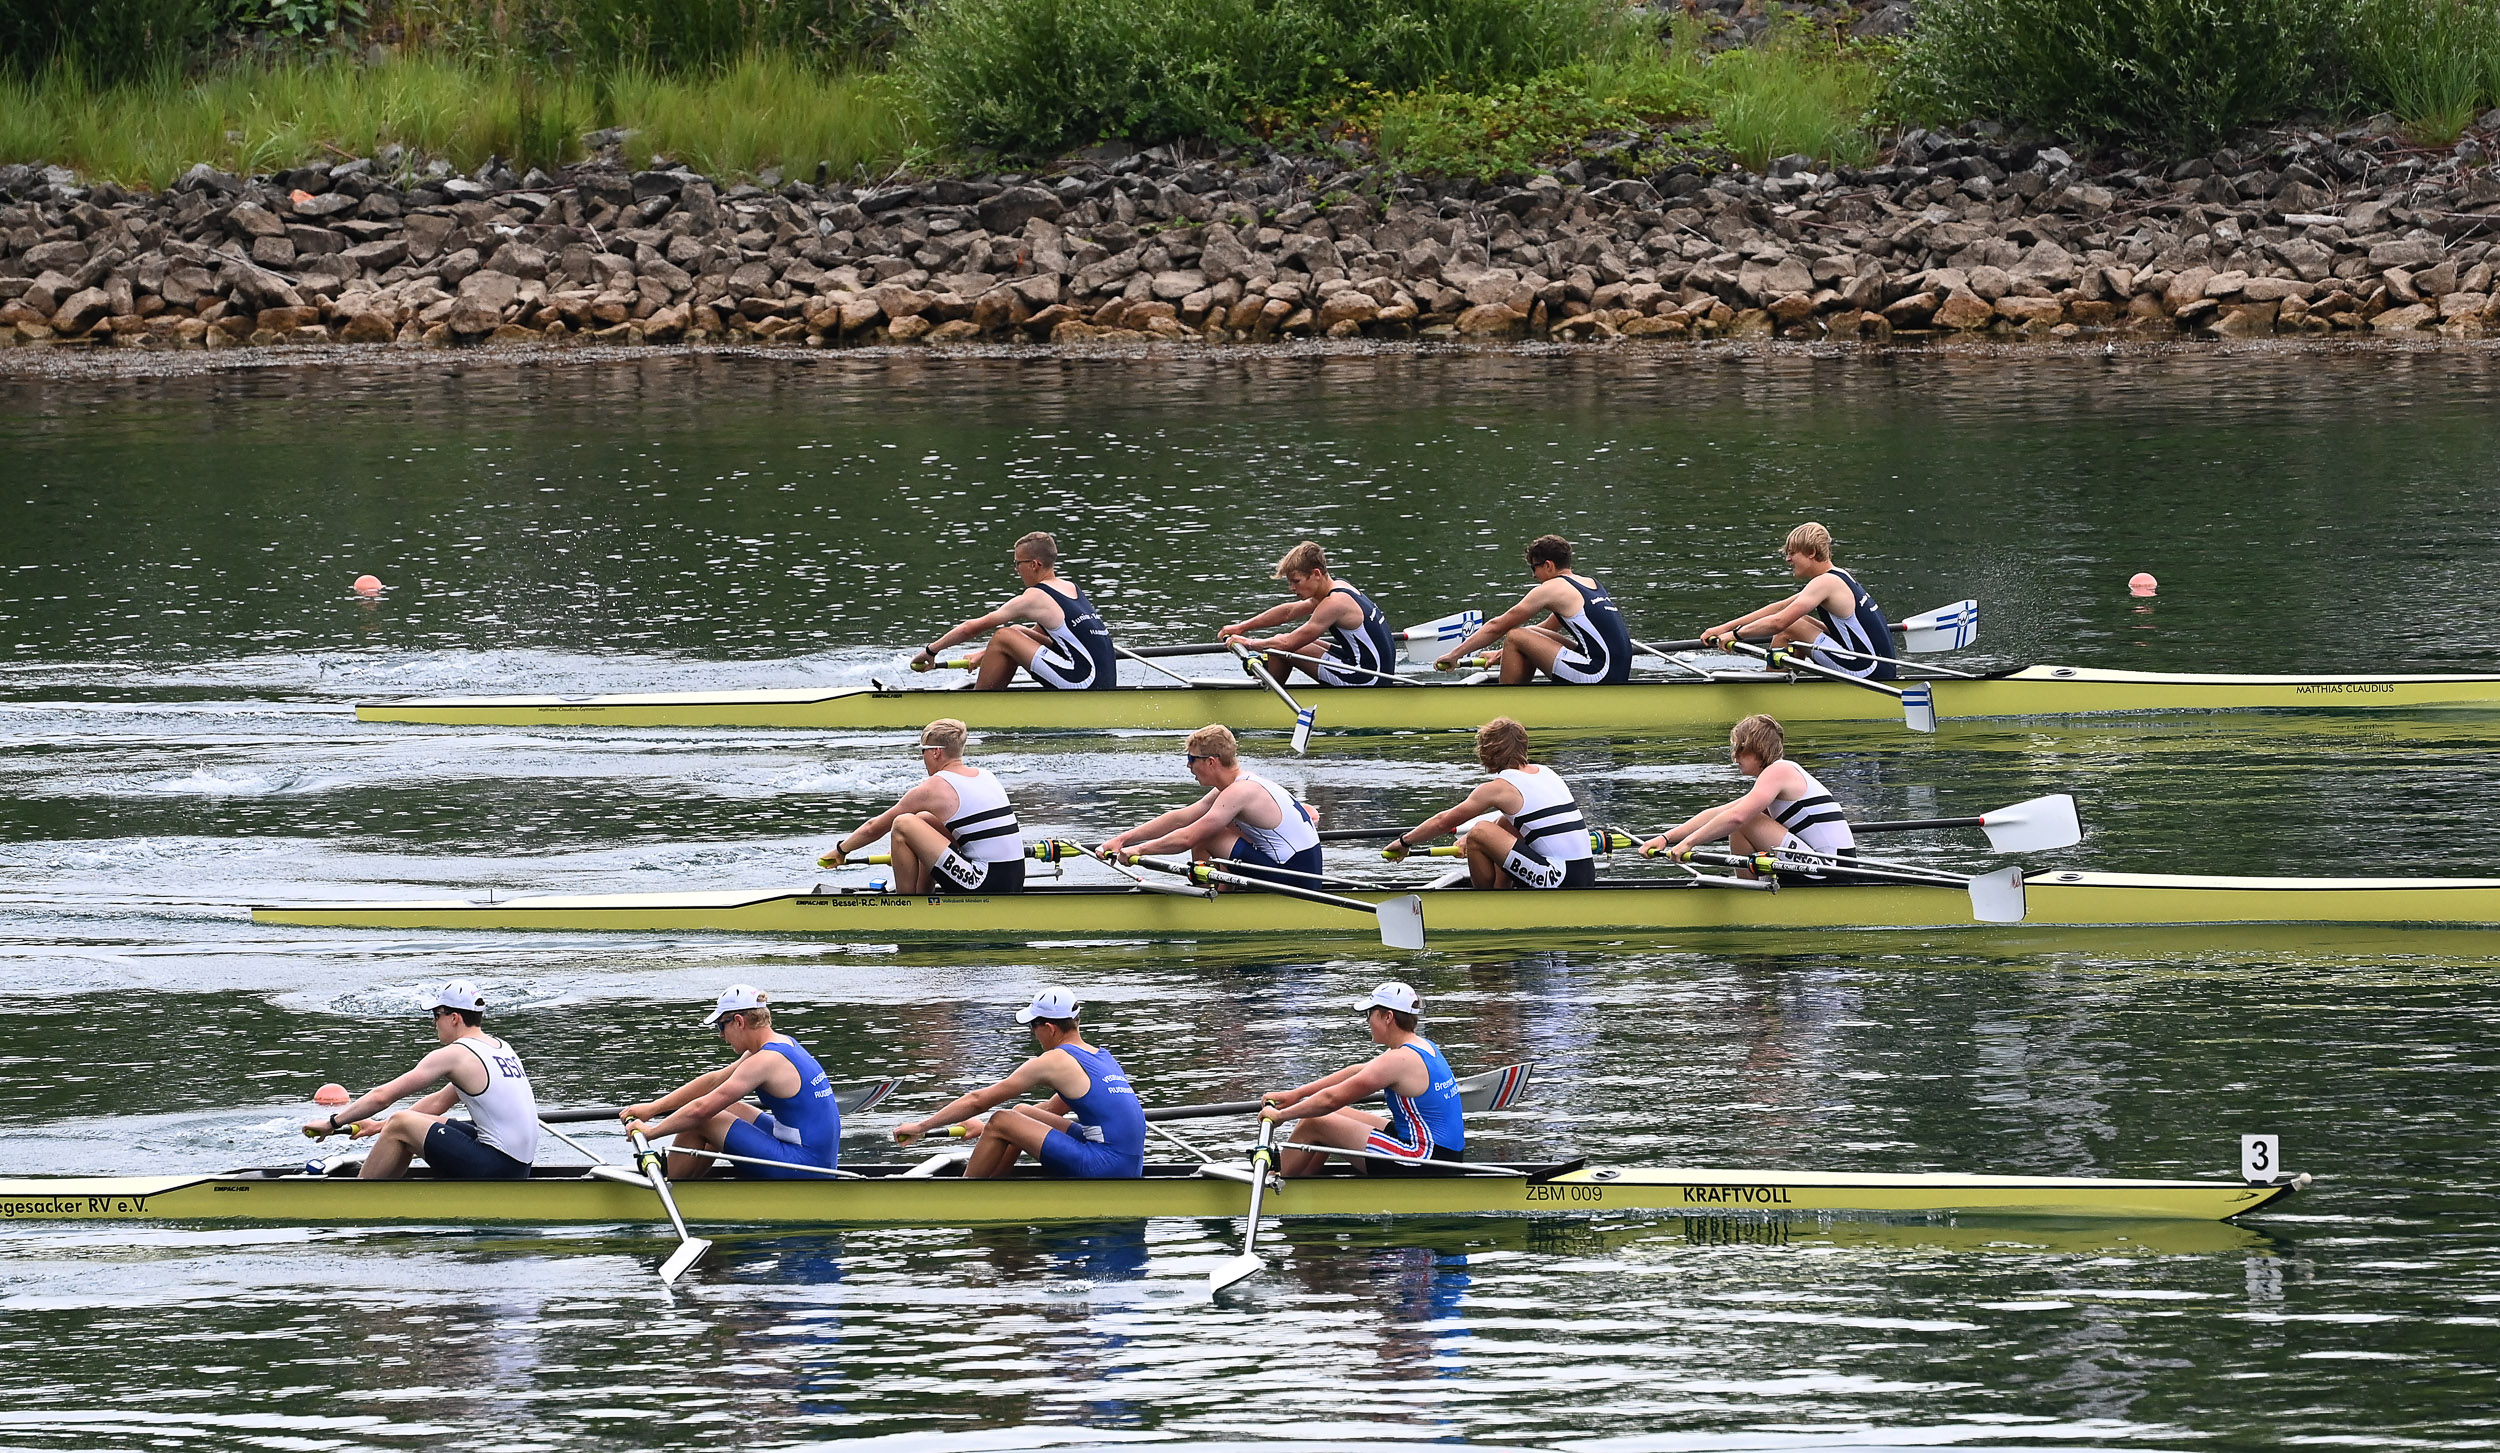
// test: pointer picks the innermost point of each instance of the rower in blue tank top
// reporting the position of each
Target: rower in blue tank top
(1582, 640)
(1341, 638)
(1424, 1123)
(1832, 616)
(1092, 1126)
(793, 1130)
(1050, 629)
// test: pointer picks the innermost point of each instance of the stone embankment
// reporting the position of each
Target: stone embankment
(1950, 236)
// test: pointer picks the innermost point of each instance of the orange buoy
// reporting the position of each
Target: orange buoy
(372, 585)
(330, 1095)
(2142, 583)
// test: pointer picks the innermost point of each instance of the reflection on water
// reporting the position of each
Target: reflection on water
(173, 745)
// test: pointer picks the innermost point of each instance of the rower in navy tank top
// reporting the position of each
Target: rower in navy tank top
(1050, 629)
(1832, 616)
(1339, 636)
(1585, 642)
(1426, 1121)
(795, 1127)
(1091, 1126)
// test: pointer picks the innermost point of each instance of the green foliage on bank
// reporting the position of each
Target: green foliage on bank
(2434, 63)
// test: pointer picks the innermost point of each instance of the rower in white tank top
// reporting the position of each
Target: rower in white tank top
(1523, 828)
(1813, 817)
(1785, 810)
(985, 852)
(506, 1111)
(1294, 832)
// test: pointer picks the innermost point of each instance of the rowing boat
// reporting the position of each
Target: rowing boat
(885, 1196)
(1664, 705)
(2057, 898)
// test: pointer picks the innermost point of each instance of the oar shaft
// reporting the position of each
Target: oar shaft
(1204, 873)
(654, 1166)
(1210, 648)
(1919, 824)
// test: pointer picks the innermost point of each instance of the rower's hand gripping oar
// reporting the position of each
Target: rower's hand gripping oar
(1304, 718)
(1401, 919)
(690, 1248)
(1918, 699)
(1262, 1169)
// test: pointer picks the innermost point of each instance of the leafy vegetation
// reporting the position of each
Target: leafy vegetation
(2434, 63)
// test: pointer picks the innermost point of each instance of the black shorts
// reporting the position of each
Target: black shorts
(1577, 873)
(456, 1154)
(1002, 877)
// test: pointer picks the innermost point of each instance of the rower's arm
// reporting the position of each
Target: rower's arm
(1491, 796)
(1018, 609)
(1209, 818)
(695, 1088)
(430, 1071)
(1274, 615)
(1161, 827)
(1718, 822)
(729, 1087)
(932, 794)
(1535, 603)
(1346, 1087)
(1029, 1075)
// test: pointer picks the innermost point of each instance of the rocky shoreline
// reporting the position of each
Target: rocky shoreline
(1960, 236)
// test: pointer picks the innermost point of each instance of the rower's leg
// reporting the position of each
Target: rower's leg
(713, 1136)
(1346, 1129)
(1010, 1132)
(1009, 648)
(1762, 833)
(918, 841)
(1487, 845)
(1527, 651)
(398, 1142)
(1801, 631)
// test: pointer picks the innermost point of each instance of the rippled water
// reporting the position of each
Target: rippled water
(174, 745)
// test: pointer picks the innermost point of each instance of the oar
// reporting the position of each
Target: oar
(1426, 642)
(1918, 699)
(851, 1101)
(1262, 1167)
(1946, 628)
(1994, 897)
(1303, 717)
(1141, 653)
(1334, 664)
(1154, 666)
(690, 1248)
(1401, 919)
(1492, 1090)
(1051, 851)
(2041, 825)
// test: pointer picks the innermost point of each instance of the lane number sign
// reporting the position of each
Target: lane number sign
(2261, 1157)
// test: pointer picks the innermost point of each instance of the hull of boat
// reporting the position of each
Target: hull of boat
(1649, 706)
(2054, 900)
(891, 1200)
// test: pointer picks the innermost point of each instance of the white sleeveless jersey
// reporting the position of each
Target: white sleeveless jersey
(984, 827)
(1816, 819)
(1548, 821)
(1294, 833)
(505, 1112)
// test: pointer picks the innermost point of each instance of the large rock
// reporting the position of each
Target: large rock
(2247, 320)
(1176, 284)
(2405, 319)
(2407, 253)
(2186, 287)
(379, 256)
(368, 327)
(1009, 210)
(1761, 283)
(250, 219)
(1349, 306)
(81, 311)
(2050, 264)
(1490, 320)
(1963, 311)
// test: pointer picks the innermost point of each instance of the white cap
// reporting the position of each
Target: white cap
(733, 999)
(458, 994)
(1052, 1003)
(1392, 995)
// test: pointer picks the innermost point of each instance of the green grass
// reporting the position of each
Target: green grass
(768, 111)
(2434, 63)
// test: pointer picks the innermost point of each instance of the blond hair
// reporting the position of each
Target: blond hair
(1306, 558)
(1217, 742)
(1810, 540)
(1042, 546)
(1501, 744)
(946, 734)
(1760, 738)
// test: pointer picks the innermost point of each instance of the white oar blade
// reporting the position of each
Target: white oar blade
(682, 1260)
(1997, 897)
(620, 1175)
(1918, 707)
(2042, 825)
(1425, 643)
(1402, 923)
(1303, 721)
(1946, 628)
(1234, 1272)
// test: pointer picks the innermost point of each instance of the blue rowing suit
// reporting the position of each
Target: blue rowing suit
(1372, 646)
(1109, 1142)
(1864, 631)
(1600, 650)
(1429, 1126)
(1080, 656)
(805, 1128)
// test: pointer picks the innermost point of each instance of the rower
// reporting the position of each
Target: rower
(1091, 1127)
(1539, 839)
(484, 1074)
(1833, 617)
(1342, 621)
(953, 832)
(1066, 648)
(1250, 822)
(1587, 643)
(1424, 1122)
(795, 1120)
(1786, 810)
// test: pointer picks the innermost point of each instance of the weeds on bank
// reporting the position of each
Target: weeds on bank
(765, 111)
(2434, 63)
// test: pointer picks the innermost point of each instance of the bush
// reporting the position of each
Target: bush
(105, 40)
(2163, 72)
(1034, 77)
(2434, 63)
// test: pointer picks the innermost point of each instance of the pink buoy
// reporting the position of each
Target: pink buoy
(372, 585)
(330, 1095)
(2142, 583)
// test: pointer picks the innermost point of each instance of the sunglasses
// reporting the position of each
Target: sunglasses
(1194, 759)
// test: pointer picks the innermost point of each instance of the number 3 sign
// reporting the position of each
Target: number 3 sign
(2261, 1157)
